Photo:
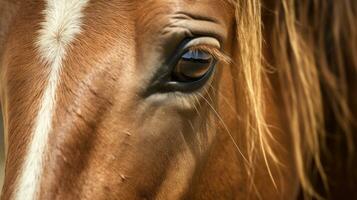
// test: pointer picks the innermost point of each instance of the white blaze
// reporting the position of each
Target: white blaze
(62, 22)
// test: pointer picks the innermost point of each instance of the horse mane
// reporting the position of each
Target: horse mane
(312, 48)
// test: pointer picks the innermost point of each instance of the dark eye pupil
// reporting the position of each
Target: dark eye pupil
(193, 65)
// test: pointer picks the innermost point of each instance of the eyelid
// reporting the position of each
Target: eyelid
(202, 40)
(209, 45)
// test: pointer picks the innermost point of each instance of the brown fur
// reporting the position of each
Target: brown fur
(257, 133)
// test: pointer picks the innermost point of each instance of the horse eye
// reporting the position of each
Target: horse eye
(192, 66)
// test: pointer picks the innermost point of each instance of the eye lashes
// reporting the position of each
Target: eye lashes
(217, 54)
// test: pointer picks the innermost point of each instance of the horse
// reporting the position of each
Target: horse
(178, 99)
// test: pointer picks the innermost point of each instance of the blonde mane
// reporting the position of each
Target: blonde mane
(312, 46)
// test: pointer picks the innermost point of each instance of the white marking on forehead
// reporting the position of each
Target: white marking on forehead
(61, 24)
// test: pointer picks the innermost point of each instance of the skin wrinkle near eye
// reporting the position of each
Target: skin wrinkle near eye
(191, 27)
(194, 16)
(180, 27)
